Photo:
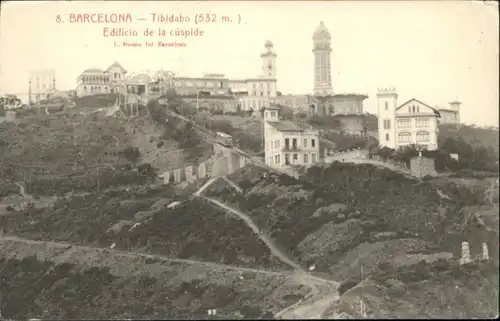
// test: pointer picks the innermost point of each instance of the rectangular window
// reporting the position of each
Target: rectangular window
(313, 143)
(295, 157)
(313, 158)
(306, 158)
(387, 124)
(287, 159)
(279, 159)
(387, 137)
(423, 137)
(276, 159)
(422, 122)
(404, 123)
(294, 143)
(287, 143)
(386, 106)
(305, 142)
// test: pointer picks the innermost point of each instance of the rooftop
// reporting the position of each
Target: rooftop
(285, 126)
(351, 95)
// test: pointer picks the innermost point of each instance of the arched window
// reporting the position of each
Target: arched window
(423, 136)
(404, 137)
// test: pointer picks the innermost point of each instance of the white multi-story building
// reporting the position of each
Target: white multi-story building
(288, 145)
(40, 83)
(97, 81)
(412, 123)
(257, 93)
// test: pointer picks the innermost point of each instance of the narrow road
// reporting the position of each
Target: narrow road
(136, 254)
(261, 235)
(323, 292)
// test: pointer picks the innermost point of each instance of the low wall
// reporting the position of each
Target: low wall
(422, 166)
(220, 164)
(350, 154)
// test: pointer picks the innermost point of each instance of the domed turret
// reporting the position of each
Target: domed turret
(321, 33)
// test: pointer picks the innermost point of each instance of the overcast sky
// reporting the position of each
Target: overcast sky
(433, 51)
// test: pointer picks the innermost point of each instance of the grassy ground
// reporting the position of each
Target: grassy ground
(442, 289)
(50, 282)
(193, 230)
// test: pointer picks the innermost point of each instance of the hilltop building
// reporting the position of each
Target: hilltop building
(257, 93)
(413, 122)
(298, 103)
(324, 102)
(97, 81)
(288, 146)
(450, 115)
(40, 82)
(322, 68)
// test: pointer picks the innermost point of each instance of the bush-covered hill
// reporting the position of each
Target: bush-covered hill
(192, 230)
(345, 217)
(472, 135)
(441, 289)
(109, 286)
(341, 214)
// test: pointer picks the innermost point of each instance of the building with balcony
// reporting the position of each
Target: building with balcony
(41, 82)
(412, 123)
(95, 81)
(288, 146)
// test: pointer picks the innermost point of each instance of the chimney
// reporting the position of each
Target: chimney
(465, 253)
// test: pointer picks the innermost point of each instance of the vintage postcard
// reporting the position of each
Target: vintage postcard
(249, 159)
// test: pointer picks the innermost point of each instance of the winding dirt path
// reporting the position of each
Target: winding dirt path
(136, 254)
(323, 292)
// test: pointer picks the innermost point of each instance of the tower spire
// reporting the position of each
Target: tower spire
(322, 68)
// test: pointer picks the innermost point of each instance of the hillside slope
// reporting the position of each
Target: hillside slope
(140, 220)
(64, 282)
(343, 217)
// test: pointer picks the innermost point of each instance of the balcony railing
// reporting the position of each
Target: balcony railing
(290, 149)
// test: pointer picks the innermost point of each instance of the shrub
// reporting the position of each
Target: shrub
(131, 153)
(347, 285)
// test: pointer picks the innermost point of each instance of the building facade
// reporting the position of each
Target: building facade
(95, 81)
(412, 123)
(40, 82)
(287, 145)
(322, 66)
(451, 115)
(298, 103)
(214, 103)
(259, 92)
(212, 84)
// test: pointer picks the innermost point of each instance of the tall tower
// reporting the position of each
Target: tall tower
(387, 101)
(455, 106)
(322, 70)
(268, 61)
